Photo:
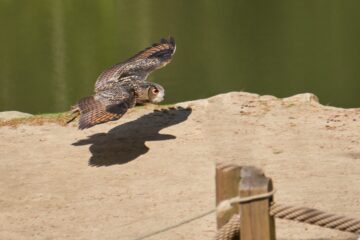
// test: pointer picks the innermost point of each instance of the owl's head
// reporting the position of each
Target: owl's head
(150, 92)
(156, 93)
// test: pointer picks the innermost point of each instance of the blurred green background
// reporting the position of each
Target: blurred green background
(51, 52)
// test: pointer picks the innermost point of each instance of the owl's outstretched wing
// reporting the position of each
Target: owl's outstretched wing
(104, 106)
(139, 66)
(163, 50)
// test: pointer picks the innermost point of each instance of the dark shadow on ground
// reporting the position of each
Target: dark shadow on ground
(126, 142)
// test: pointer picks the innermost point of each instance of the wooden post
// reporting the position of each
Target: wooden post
(256, 222)
(227, 186)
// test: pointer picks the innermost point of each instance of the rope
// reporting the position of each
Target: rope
(316, 217)
(231, 230)
(174, 226)
(226, 204)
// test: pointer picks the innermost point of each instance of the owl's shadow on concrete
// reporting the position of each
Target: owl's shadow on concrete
(126, 142)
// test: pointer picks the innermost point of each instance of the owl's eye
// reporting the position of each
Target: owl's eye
(155, 90)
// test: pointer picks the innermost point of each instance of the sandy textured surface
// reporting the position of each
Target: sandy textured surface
(153, 169)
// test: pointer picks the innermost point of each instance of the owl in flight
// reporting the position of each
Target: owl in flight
(123, 85)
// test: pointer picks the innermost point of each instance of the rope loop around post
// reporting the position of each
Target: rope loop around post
(226, 204)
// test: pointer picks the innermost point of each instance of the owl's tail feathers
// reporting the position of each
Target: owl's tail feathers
(92, 112)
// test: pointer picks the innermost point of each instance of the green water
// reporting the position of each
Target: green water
(51, 52)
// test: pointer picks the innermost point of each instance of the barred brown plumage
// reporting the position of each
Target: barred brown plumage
(123, 85)
(94, 112)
